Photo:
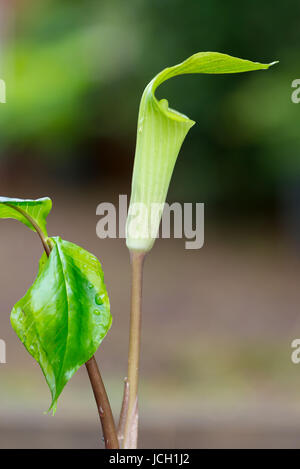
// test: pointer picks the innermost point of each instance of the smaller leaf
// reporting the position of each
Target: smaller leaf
(65, 315)
(32, 213)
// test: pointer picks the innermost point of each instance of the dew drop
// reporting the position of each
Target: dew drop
(97, 312)
(98, 300)
(90, 286)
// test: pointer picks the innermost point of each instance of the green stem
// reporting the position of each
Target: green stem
(131, 421)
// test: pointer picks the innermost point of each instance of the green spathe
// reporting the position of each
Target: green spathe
(65, 315)
(160, 134)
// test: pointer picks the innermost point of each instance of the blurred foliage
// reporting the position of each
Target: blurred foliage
(75, 73)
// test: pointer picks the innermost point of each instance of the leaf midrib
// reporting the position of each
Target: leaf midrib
(68, 304)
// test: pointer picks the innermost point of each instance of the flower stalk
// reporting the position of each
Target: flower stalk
(131, 420)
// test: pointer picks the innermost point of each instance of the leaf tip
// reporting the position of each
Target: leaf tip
(52, 408)
(274, 63)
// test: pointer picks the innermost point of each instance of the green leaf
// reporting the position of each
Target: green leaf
(160, 134)
(32, 213)
(64, 316)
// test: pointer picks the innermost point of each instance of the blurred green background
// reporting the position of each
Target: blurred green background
(218, 323)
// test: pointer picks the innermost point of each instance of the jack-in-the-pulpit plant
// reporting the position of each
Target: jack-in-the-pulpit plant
(160, 134)
(65, 314)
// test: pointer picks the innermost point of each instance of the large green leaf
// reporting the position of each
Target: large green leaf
(160, 134)
(64, 316)
(32, 213)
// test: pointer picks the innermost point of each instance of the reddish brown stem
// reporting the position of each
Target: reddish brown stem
(35, 226)
(104, 409)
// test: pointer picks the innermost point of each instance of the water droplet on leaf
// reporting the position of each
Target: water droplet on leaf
(98, 300)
